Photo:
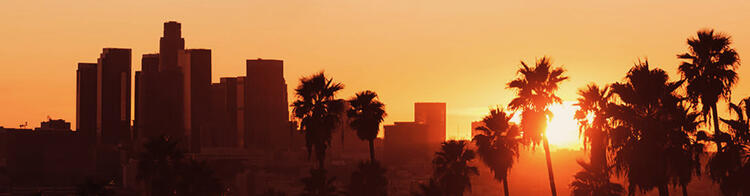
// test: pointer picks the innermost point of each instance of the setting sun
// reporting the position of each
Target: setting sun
(562, 130)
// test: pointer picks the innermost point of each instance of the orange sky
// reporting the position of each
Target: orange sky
(459, 52)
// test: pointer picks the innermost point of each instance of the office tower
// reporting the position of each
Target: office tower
(170, 45)
(196, 72)
(170, 94)
(433, 115)
(241, 112)
(146, 100)
(266, 104)
(225, 115)
(86, 99)
(113, 96)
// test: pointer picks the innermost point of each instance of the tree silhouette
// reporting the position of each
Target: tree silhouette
(497, 145)
(366, 114)
(157, 165)
(651, 142)
(318, 184)
(709, 72)
(593, 181)
(731, 166)
(164, 171)
(452, 169)
(319, 111)
(594, 122)
(368, 180)
(536, 87)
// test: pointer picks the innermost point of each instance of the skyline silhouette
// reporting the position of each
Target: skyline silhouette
(346, 110)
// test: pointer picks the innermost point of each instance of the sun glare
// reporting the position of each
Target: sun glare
(562, 130)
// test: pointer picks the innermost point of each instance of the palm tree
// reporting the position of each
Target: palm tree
(318, 184)
(651, 142)
(594, 122)
(369, 180)
(452, 169)
(593, 181)
(366, 113)
(497, 145)
(731, 166)
(536, 87)
(319, 111)
(157, 165)
(709, 72)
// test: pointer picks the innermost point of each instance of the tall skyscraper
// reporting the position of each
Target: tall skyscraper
(113, 96)
(86, 99)
(170, 45)
(266, 104)
(433, 115)
(112, 110)
(196, 71)
(146, 100)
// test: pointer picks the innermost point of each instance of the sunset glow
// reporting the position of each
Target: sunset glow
(562, 130)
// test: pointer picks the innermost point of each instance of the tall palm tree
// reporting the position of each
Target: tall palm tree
(452, 169)
(652, 138)
(731, 166)
(318, 184)
(368, 180)
(593, 181)
(497, 145)
(536, 87)
(366, 114)
(709, 72)
(594, 122)
(319, 111)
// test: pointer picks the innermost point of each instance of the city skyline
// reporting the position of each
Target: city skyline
(460, 54)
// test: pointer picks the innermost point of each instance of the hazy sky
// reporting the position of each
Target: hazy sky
(459, 52)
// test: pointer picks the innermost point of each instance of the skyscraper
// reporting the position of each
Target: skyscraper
(170, 45)
(112, 110)
(196, 72)
(266, 106)
(86, 99)
(113, 96)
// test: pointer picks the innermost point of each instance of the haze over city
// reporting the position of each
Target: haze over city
(235, 87)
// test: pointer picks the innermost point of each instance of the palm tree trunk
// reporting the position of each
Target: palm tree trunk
(372, 151)
(505, 186)
(684, 190)
(716, 125)
(663, 190)
(549, 167)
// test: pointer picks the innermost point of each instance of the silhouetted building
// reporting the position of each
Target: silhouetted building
(405, 141)
(86, 99)
(196, 70)
(266, 105)
(418, 140)
(113, 96)
(223, 114)
(52, 155)
(146, 101)
(170, 45)
(432, 115)
(113, 111)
